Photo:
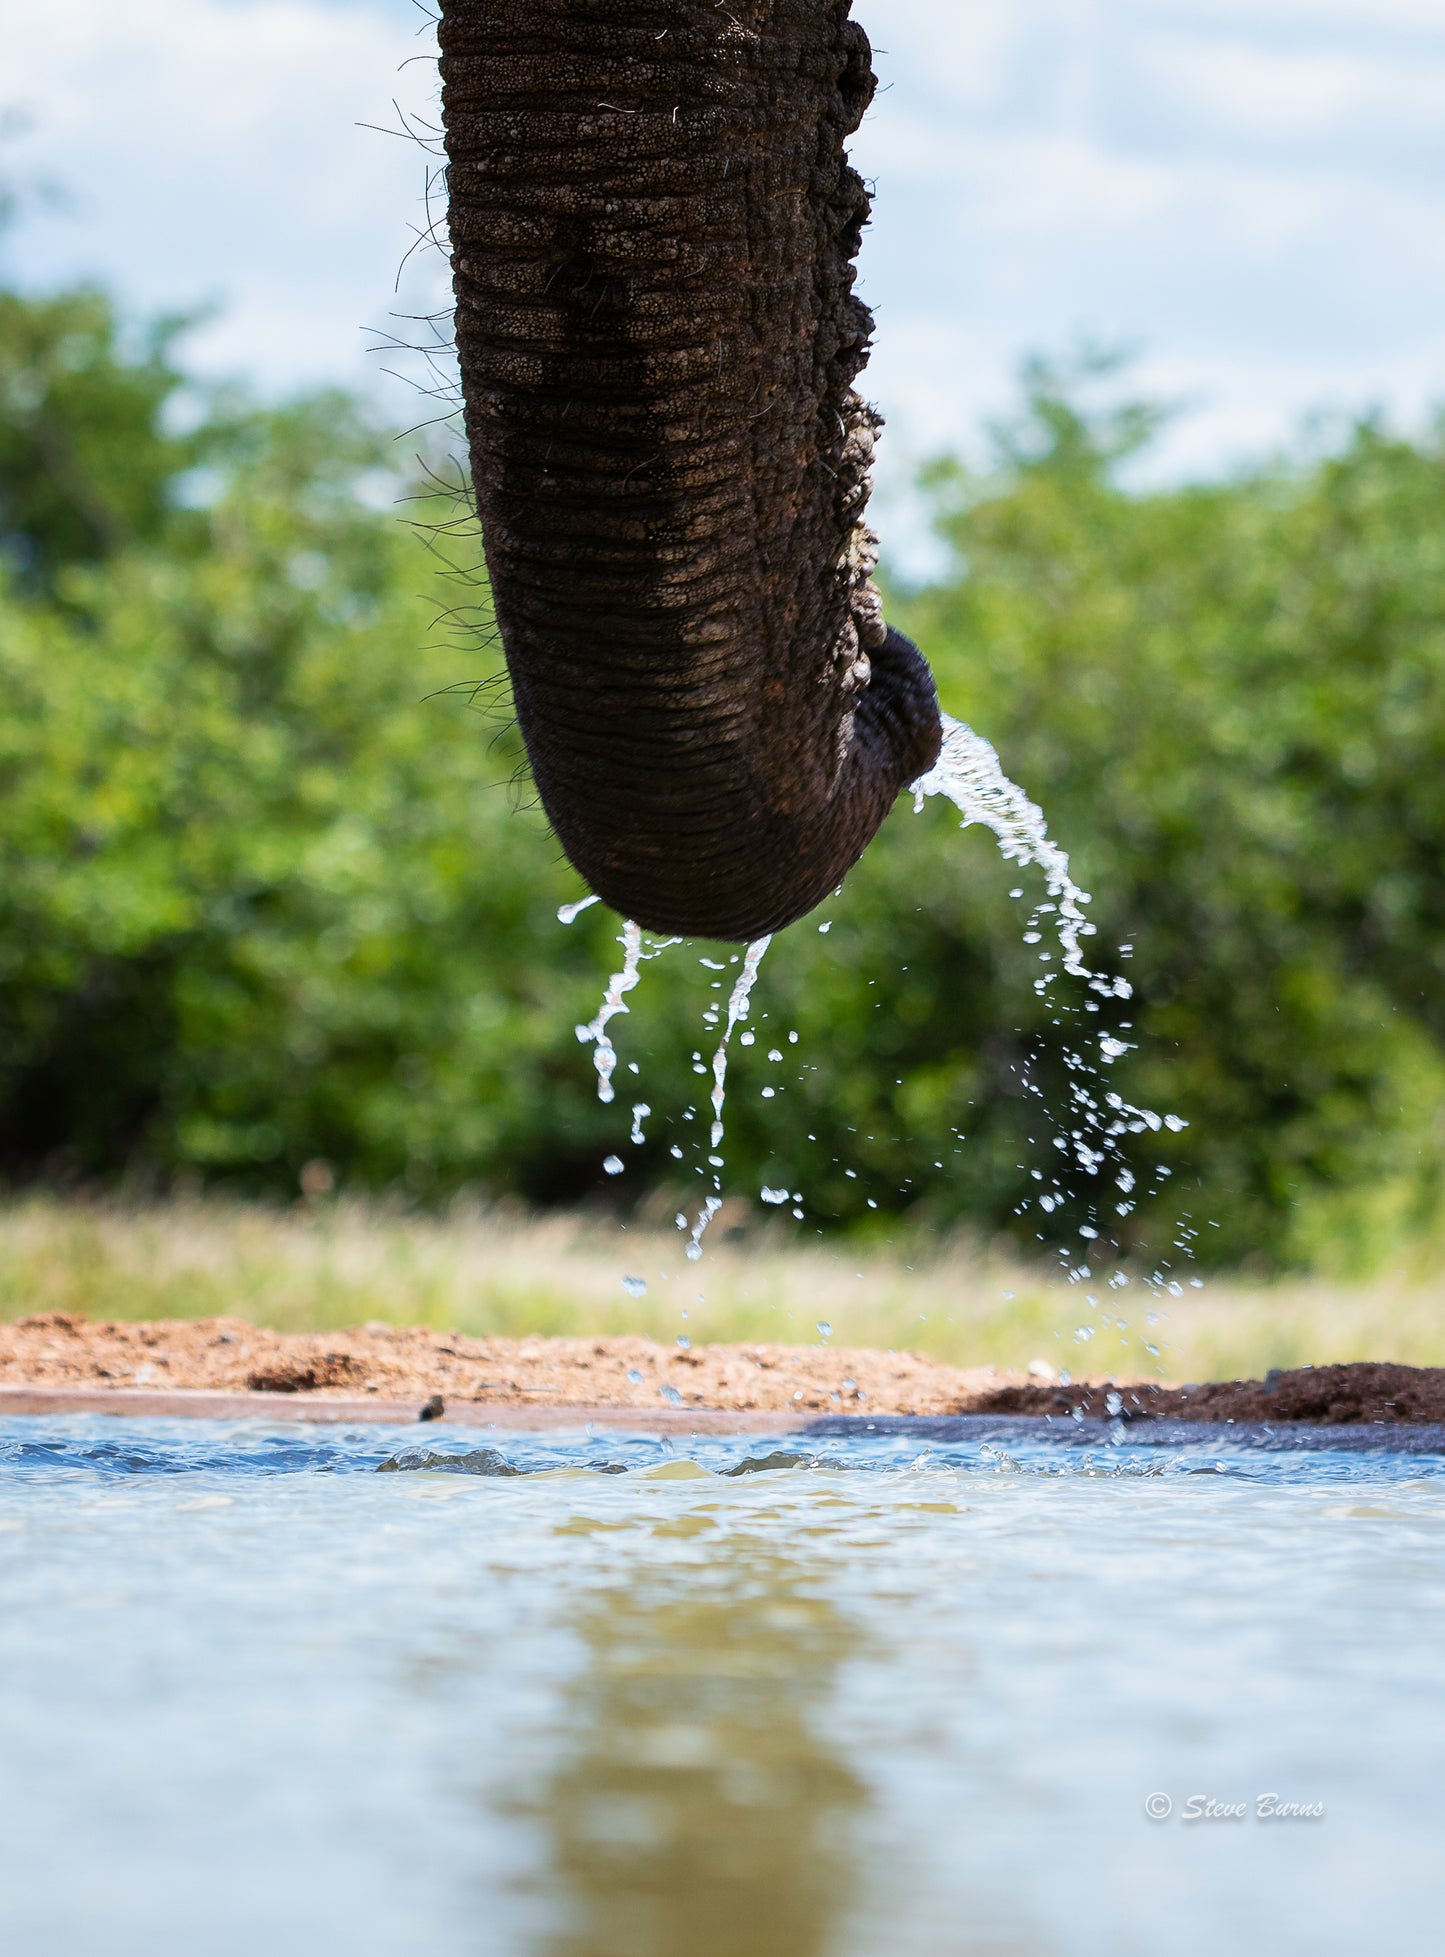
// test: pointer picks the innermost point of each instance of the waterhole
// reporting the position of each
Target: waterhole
(878, 1693)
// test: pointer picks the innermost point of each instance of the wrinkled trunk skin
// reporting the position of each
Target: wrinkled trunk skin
(652, 230)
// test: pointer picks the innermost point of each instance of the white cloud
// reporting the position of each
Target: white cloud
(210, 151)
(1256, 193)
(1254, 190)
(1363, 20)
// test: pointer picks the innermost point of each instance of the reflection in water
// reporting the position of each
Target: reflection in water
(701, 1809)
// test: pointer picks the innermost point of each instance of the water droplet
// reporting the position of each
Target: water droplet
(604, 1059)
(824, 929)
(671, 1395)
(675, 1152)
(769, 1094)
(706, 1214)
(684, 1343)
(737, 1010)
(570, 911)
(635, 1377)
(773, 1195)
(635, 1287)
(825, 1330)
(614, 1165)
(1083, 1333)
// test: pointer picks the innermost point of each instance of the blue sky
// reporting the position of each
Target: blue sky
(1252, 192)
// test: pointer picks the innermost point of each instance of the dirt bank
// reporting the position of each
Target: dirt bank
(59, 1349)
(404, 1363)
(1323, 1395)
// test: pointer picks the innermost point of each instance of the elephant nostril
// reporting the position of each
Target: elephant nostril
(902, 705)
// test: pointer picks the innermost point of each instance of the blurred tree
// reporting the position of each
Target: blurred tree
(1231, 702)
(264, 898)
(88, 463)
(261, 900)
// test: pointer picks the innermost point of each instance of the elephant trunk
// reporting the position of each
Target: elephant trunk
(652, 229)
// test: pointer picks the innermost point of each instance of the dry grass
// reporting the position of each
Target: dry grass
(490, 1272)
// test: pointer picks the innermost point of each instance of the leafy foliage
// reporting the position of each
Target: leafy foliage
(87, 463)
(1231, 701)
(265, 896)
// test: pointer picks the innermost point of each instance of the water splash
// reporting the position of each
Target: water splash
(705, 1216)
(737, 1010)
(569, 913)
(621, 983)
(1090, 1131)
(968, 773)
(1087, 1132)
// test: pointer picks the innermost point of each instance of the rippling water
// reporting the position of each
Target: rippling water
(257, 1698)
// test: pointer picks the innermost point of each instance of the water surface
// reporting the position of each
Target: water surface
(256, 1697)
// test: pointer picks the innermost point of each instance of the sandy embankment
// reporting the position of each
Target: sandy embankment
(411, 1364)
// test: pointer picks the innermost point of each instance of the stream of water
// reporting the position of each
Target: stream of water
(1088, 1129)
(914, 1702)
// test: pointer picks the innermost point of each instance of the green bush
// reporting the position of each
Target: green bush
(1231, 701)
(270, 894)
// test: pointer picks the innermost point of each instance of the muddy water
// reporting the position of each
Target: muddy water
(256, 1697)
